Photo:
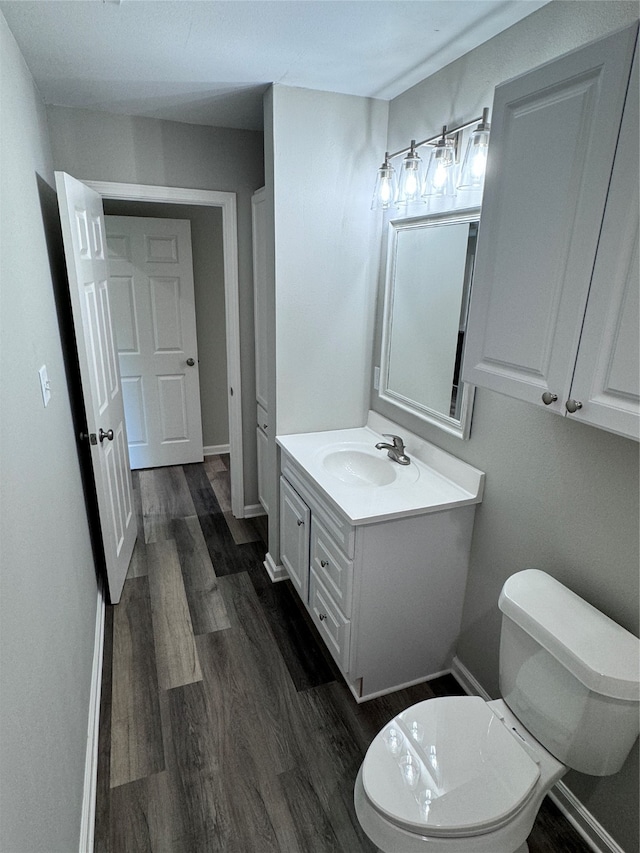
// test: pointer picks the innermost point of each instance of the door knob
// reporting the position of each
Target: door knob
(548, 398)
(572, 406)
(108, 434)
(190, 362)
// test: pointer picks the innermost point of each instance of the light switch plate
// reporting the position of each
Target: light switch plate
(45, 385)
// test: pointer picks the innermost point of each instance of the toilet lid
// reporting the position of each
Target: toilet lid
(448, 767)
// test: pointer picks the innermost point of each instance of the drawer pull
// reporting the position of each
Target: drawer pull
(300, 522)
(322, 616)
(324, 563)
(548, 398)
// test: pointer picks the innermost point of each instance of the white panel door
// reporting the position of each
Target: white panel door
(84, 244)
(553, 141)
(152, 293)
(607, 374)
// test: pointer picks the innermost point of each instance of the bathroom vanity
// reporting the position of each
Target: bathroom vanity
(378, 552)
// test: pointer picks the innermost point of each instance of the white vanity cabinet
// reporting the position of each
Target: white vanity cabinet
(554, 307)
(386, 597)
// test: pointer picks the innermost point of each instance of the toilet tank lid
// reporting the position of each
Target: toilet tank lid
(603, 655)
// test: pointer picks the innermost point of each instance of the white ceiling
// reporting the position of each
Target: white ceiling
(209, 61)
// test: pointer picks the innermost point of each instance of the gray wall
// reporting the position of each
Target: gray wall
(102, 147)
(48, 590)
(559, 495)
(208, 275)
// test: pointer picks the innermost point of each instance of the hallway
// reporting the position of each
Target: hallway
(224, 726)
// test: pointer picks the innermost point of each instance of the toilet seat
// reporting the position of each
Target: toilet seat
(448, 767)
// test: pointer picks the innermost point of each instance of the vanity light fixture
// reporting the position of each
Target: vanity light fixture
(439, 180)
(475, 159)
(386, 188)
(440, 177)
(410, 186)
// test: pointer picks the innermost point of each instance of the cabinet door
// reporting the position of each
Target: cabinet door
(295, 520)
(553, 140)
(607, 376)
(258, 220)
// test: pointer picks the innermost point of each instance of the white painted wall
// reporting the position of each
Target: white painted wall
(559, 495)
(326, 149)
(48, 589)
(102, 147)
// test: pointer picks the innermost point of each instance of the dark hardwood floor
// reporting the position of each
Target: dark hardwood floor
(224, 726)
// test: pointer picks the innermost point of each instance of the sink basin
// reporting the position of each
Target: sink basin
(363, 466)
(359, 468)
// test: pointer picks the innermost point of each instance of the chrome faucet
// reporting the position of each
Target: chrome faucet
(396, 450)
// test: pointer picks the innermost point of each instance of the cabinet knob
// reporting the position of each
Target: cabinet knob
(572, 406)
(548, 398)
(324, 563)
(322, 616)
(300, 522)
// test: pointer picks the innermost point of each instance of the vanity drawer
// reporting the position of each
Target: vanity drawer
(331, 566)
(334, 628)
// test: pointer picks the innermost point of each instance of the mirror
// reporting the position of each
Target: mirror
(427, 288)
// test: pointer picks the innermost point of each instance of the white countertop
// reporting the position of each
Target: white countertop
(440, 482)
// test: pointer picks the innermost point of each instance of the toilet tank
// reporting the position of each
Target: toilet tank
(569, 673)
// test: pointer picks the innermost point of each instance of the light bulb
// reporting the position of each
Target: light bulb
(475, 160)
(384, 193)
(410, 177)
(439, 178)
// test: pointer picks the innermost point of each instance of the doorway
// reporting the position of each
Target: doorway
(226, 204)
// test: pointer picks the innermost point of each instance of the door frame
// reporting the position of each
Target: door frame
(226, 201)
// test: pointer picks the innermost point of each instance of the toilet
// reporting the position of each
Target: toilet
(461, 775)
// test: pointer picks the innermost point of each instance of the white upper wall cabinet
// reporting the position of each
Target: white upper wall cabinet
(607, 375)
(554, 138)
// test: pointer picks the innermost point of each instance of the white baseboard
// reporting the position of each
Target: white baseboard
(468, 682)
(594, 834)
(88, 817)
(276, 572)
(253, 510)
(215, 449)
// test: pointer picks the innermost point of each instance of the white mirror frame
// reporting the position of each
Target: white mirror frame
(460, 428)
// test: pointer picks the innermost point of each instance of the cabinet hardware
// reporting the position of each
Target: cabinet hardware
(300, 522)
(324, 563)
(572, 406)
(190, 362)
(548, 398)
(322, 616)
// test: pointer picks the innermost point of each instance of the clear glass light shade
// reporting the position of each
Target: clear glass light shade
(474, 164)
(386, 188)
(439, 180)
(410, 184)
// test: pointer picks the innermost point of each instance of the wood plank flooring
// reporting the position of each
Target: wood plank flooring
(224, 725)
